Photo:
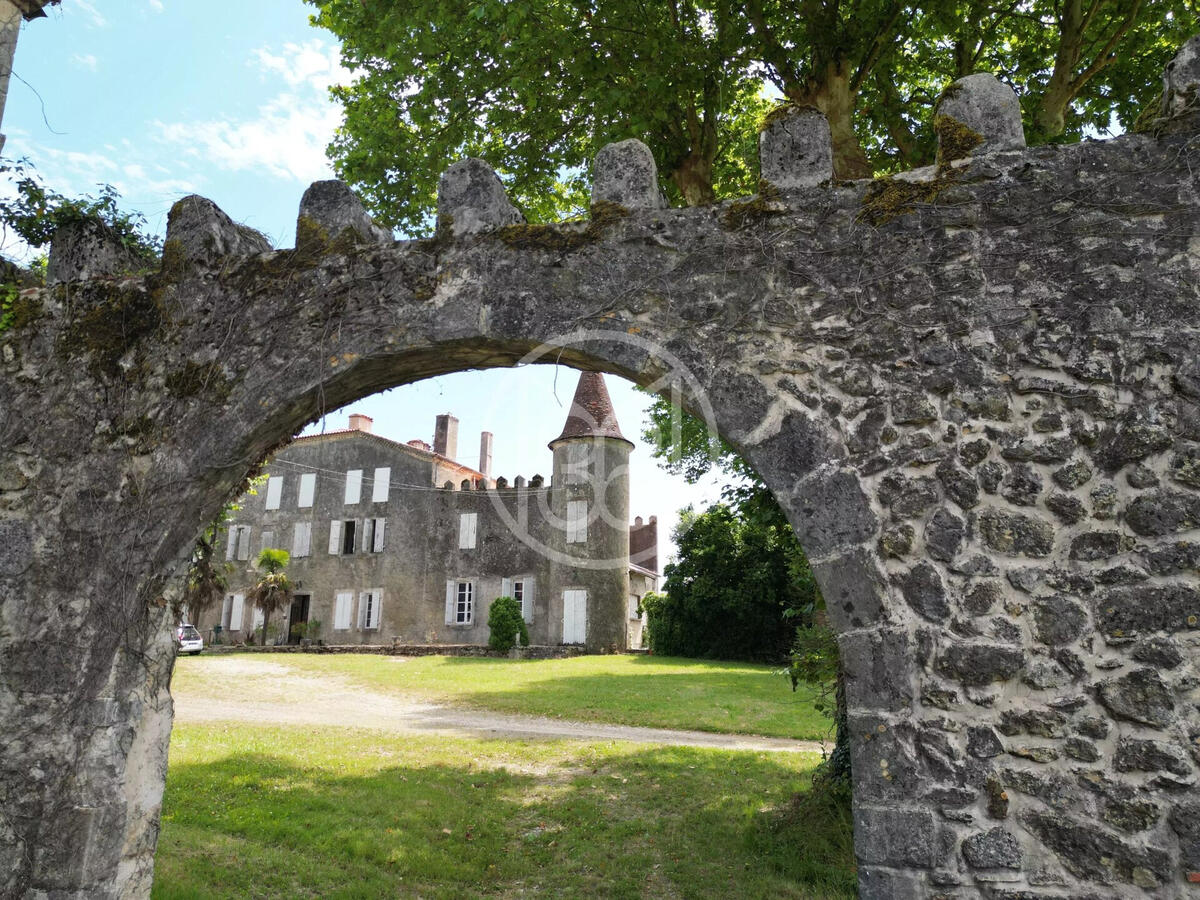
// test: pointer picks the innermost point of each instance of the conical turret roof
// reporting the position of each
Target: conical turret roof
(592, 413)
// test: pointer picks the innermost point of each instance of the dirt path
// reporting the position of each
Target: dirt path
(267, 692)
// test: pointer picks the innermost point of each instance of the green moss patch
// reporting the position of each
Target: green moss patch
(762, 205)
(196, 379)
(111, 323)
(564, 237)
(955, 140)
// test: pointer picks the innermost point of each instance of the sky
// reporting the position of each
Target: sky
(229, 99)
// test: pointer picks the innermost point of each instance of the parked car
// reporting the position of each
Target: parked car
(188, 640)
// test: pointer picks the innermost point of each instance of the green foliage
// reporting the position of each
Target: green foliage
(727, 595)
(34, 212)
(273, 590)
(207, 578)
(506, 625)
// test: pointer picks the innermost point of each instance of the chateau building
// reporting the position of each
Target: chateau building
(399, 543)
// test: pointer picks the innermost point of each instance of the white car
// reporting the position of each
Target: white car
(188, 640)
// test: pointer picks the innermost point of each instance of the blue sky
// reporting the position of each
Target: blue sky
(163, 98)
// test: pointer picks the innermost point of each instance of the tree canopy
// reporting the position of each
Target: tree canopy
(537, 87)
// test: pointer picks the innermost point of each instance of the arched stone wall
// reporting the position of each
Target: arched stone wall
(976, 395)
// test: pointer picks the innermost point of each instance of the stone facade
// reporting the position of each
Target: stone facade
(396, 543)
(975, 391)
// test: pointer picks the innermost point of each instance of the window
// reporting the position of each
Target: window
(368, 608)
(579, 459)
(235, 606)
(308, 489)
(239, 542)
(460, 602)
(520, 589)
(268, 540)
(467, 525)
(342, 535)
(577, 516)
(353, 486)
(373, 531)
(383, 479)
(341, 610)
(274, 492)
(633, 607)
(302, 539)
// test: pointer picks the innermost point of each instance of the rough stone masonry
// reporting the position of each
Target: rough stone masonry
(975, 389)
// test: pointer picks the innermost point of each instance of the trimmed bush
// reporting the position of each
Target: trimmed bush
(506, 625)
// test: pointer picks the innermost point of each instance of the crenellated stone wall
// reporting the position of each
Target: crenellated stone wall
(974, 389)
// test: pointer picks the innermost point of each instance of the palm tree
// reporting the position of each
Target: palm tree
(274, 589)
(207, 580)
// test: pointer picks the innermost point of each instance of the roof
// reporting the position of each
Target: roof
(32, 9)
(592, 414)
(418, 452)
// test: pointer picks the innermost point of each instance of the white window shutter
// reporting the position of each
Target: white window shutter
(353, 486)
(364, 539)
(527, 599)
(237, 612)
(274, 491)
(376, 608)
(268, 540)
(341, 610)
(379, 490)
(506, 587)
(231, 539)
(243, 550)
(308, 488)
(576, 521)
(335, 537)
(451, 597)
(258, 619)
(380, 524)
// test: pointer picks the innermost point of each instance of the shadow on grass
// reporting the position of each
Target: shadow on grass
(668, 821)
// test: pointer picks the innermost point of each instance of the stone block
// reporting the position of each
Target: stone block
(1016, 534)
(980, 664)
(200, 232)
(1059, 620)
(471, 199)
(625, 173)
(833, 512)
(944, 535)
(1181, 80)
(924, 592)
(333, 208)
(853, 588)
(888, 884)
(877, 666)
(993, 849)
(795, 149)
(83, 250)
(985, 117)
(1141, 696)
(1138, 755)
(1130, 611)
(893, 836)
(1094, 854)
(1163, 512)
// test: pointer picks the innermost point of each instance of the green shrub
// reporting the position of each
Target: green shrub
(506, 625)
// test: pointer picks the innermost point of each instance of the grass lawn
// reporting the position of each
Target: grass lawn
(659, 692)
(302, 812)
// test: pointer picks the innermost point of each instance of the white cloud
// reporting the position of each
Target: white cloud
(86, 61)
(288, 137)
(156, 5)
(88, 11)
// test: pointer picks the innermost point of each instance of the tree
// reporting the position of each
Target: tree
(506, 625)
(273, 590)
(206, 580)
(537, 87)
(732, 593)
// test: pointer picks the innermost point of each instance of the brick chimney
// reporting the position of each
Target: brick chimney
(485, 453)
(359, 422)
(445, 436)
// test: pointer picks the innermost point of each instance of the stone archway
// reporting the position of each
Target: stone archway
(974, 390)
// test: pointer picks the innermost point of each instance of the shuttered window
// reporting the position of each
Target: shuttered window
(274, 491)
(268, 540)
(308, 489)
(302, 539)
(373, 535)
(238, 546)
(368, 608)
(577, 514)
(335, 537)
(341, 610)
(237, 610)
(467, 525)
(353, 486)
(379, 490)
(523, 591)
(460, 602)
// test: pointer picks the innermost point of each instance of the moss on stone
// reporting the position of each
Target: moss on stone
(195, 379)
(564, 237)
(762, 205)
(955, 140)
(18, 309)
(782, 111)
(174, 264)
(116, 318)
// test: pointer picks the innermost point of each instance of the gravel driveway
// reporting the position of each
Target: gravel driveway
(271, 693)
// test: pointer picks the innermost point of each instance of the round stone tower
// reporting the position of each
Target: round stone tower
(589, 504)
